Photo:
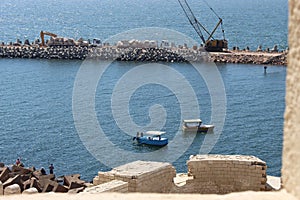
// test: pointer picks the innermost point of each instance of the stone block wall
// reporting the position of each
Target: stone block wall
(291, 147)
(142, 176)
(112, 186)
(221, 174)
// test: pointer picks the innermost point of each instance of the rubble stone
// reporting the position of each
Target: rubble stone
(30, 191)
(12, 189)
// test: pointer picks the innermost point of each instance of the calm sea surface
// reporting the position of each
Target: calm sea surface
(36, 118)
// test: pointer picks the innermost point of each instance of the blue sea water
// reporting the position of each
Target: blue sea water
(36, 118)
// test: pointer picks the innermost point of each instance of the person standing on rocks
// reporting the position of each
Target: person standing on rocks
(18, 161)
(51, 168)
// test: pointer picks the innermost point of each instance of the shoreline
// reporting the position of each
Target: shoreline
(141, 54)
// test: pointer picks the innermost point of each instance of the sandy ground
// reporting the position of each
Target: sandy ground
(282, 195)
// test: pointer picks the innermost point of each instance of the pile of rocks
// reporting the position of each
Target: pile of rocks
(250, 58)
(151, 55)
(17, 180)
(157, 54)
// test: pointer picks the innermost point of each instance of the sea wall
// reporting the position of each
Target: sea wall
(139, 54)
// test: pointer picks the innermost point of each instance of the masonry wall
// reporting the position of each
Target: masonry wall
(142, 176)
(291, 147)
(221, 174)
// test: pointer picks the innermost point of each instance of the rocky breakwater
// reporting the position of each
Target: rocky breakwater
(140, 51)
(59, 52)
(17, 179)
(247, 57)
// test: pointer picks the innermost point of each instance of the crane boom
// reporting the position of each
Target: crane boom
(192, 19)
(210, 43)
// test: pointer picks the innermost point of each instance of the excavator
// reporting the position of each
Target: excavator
(210, 44)
(43, 33)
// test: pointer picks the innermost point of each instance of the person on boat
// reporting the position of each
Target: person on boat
(51, 168)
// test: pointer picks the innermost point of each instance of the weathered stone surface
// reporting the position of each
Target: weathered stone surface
(30, 191)
(75, 178)
(26, 184)
(4, 176)
(25, 177)
(12, 189)
(74, 185)
(14, 180)
(16, 168)
(221, 174)
(60, 188)
(273, 183)
(76, 190)
(34, 183)
(112, 186)
(49, 186)
(142, 176)
(1, 189)
(44, 179)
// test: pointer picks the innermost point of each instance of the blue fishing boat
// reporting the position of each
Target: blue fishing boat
(151, 138)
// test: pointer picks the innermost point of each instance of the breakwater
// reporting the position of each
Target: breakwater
(152, 54)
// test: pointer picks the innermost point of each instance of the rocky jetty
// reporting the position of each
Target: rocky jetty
(17, 179)
(246, 57)
(140, 51)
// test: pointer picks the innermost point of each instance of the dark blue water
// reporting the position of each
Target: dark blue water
(36, 119)
(246, 23)
(37, 122)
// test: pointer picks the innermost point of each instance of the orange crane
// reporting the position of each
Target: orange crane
(43, 33)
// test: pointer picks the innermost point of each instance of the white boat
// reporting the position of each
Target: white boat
(195, 125)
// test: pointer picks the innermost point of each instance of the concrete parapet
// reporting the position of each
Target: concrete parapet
(112, 186)
(142, 176)
(220, 174)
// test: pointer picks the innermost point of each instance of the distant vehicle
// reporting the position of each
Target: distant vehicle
(151, 138)
(210, 44)
(195, 125)
(42, 35)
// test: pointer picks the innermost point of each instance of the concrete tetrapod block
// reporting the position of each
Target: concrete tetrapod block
(4, 174)
(14, 180)
(12, 189)
(76, 190)
(75, 178)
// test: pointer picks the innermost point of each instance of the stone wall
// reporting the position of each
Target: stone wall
(112, 186)
(221, 174)
(291, 147)
(142, 176)
(208, 174)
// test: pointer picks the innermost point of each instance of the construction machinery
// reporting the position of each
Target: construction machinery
(42, 34)
(210, 44)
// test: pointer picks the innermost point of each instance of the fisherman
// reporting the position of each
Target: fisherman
(43, 171)
(51, 168)
(18, 161)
